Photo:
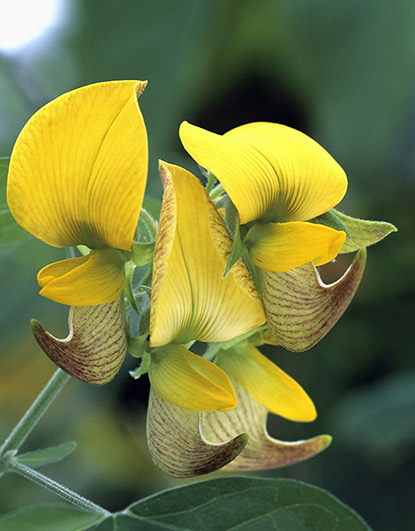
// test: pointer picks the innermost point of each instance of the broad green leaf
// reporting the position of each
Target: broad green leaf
(49, 518)
(363, 233)
(10, 231)
(247, 504)
(46, 456)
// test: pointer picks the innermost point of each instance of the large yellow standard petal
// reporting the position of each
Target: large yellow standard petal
(270, 171)
(267, 383)
(190, 381)
(279, 247)
(97, 278)
(190, 298)
(79, 167)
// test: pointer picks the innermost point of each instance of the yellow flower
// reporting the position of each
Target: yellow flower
(77, 176)
(191, 301)
(278, 179)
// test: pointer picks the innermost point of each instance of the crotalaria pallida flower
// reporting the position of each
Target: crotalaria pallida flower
(284, 185)
(77, 177)
(192, 301)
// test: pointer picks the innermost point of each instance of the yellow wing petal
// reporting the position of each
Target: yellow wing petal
(190, 298)
(270, 171)
(267, 383)
(279, 247)
(90, 280)
(78, 169)
(190, 381)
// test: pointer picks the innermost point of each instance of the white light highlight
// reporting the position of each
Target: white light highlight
(24, 21)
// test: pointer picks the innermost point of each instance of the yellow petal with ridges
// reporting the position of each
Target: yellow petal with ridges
(97, 278)
(279, 247)
(78, 169)
(190, 298)
(270, 171)
(267, 383)
(247, 177)
(190, 381)
(310, 181)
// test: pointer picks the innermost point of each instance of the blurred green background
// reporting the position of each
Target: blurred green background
(344, 72)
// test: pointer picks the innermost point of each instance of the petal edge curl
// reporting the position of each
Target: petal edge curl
(95, 347)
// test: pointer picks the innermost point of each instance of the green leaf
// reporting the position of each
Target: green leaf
(247, 504)
(10, 231)
(46, 456)
(363, 232)
(49, 518)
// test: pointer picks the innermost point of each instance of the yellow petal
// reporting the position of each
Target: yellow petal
(279, 247)
(90, 280)
(190, 298)
(78, 169)
(262, 451)
(190, 381)
(270, 171)
(268, 384)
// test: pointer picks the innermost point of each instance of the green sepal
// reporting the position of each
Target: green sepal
(137, 345)
(363, 232)
(332, 220)
(142, 252)
(142, 298)
(211, 179)
(233, 224)
(144, 366)
(10, 231)
(46, 456)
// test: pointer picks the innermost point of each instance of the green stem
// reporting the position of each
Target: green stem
(62, 491)
(35, 412)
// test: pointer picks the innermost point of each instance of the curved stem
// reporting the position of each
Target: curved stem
(62, 491)
(35, 412)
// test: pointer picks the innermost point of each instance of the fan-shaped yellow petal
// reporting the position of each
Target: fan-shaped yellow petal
(247, 177)
(90, 280)
(78, 169)
(190, 298)
(268, 384)
(270, 171)
(190, 381)
(279, 247)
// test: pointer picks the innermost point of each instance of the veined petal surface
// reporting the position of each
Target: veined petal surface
(190, 298)
(190, 381)
(270, 171)
(301, 309)
(78, 169)
(279, 247)
(96, 345)
(177, 445)
(96, 278)
(266, 382)
(262, 451)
